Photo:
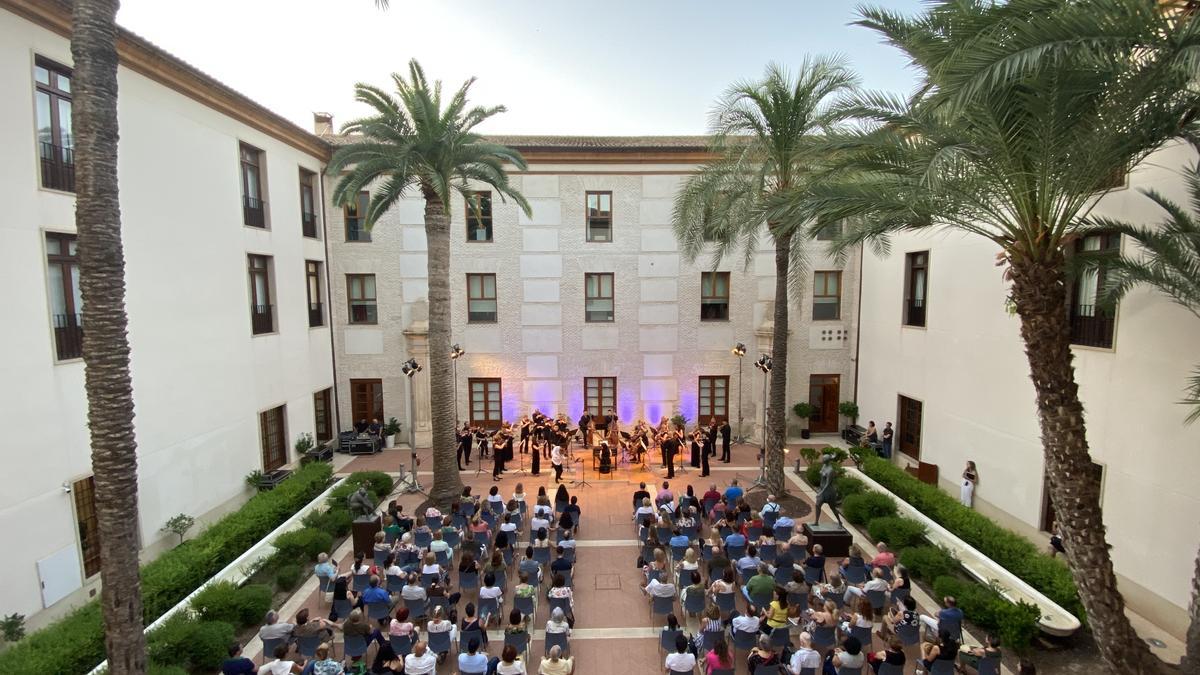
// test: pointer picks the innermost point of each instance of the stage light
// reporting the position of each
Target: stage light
(411, 367)
(763, 363)
(739, 349)
(456, 352)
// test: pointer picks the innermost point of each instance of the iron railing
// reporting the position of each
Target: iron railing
(68, 336)
(316, 315)
(1091, 326)
(58, 167)
(308, 223)
(914, 312)
(254, 212)
(261, 319)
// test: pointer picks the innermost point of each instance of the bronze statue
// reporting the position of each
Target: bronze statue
(360, 503)
(827, 493)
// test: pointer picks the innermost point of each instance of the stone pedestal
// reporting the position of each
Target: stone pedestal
(417, 337)
(362, 533)
(835, 541)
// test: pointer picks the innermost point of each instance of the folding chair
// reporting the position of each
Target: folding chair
(525, 604)
(401, 644)
(268, 647)
(940, 667)
(439, 643)
(559, 639)
(666, 639)
(855, 574)
(726, 602)
(354, 645)
(744, 640)
(518, 640)
(662, 606)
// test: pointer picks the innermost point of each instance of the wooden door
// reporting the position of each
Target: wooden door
(366, 401)
(485, 402)
(713, 401)
(274, 438)
(823, 393)
(909, 431)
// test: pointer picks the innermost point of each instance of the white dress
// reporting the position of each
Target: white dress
(967, 494)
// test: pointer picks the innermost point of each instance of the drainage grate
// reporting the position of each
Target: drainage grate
(608, 582)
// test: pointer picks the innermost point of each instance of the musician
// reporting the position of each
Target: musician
(697, 437)
(483, 438)
(726, 432)
(361, 426)
(585, 423)
(464, 445)
(605, 458)
(614, 433)
(670, 445)
(501, 446)
(374, 428)
(526, 431)
(537, 456)
(704, 454)
(556, 460)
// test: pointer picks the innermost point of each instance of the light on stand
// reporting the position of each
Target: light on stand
(739, 350)
(456, 353)
(411, 367)
(764, 364)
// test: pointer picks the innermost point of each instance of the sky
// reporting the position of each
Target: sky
(618, 67)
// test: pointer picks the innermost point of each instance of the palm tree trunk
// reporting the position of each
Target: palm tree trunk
(776, 411)
(446, 481)
(1191, 656)
(107, 381)
(1039, 291)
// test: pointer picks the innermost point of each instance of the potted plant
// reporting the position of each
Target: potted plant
(804, 410)
(678, 420)
(389, 432)
(849, 409)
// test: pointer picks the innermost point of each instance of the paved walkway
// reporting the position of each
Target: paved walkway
(614, 632)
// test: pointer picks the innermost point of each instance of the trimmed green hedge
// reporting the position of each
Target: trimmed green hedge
(304, 544)
(225, 601)
(862, 508)
(1009, 549)
(1015, 624)
(192, 645)
(928, 562)
(75, 644)
(896, 531)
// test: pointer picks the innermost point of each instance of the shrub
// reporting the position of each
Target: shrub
(190, 644)
(159, 669)
(1010, 550)
(379, 484)
(303, 544)
(896, 531)
(928, 562)
(226, 602)
(337, 521)
(288, 577)
(1015, 624)
(75, 644)
(861, 509)
(848, 485)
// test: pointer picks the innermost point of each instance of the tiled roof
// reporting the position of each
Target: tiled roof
(527, 143)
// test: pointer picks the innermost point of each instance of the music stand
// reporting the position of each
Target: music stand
(521, 470)
(582, 480)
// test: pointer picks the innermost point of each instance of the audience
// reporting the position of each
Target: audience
(555, 664)
(719, 657)
(762, 654)
(420, 661)
(884, 557)
(510, 663)
(237, 664)
(805, 656)
(893, 655)
(472, 660)
(681, 660)
(849, 654)
(280, 665)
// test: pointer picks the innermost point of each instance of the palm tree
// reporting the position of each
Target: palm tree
(1170, 263)
(1019, 156)
(416, 141)
(763, 135)
(107, 382)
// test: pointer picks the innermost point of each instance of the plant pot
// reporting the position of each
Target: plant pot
(389, 441)
(805, 433)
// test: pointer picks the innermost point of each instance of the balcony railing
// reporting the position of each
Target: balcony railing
(363, 313)
(58, 167)
(356, 232)
(914, 312)
(68, 336)
(254, 212)
(316, 315)
(308, 224)
(1091, 326)
(261, 319)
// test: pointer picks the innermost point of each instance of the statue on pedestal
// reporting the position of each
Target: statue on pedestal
(361, 506)
(827, 493)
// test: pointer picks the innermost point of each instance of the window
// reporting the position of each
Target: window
(366, 400)
(1091, 324)
(916, 283)
(66, 304)
(599, 395)
(713, 399)
(909, 431)
(261, 315)
(481, 298)
(479, 217)
(361, 291)
(88, 522)
(598, 297)
(714, 296)
(599, 216)
(253, 204)
(323, 415)
(485, 402)
(356, 218)
(56, 142)
(827, 296)
(308, 204)
(830, 232)
(316, 309)
(273, 432)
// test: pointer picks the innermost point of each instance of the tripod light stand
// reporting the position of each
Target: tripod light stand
(764, 364)
(739, 350)
(456, 353)
(410, 368)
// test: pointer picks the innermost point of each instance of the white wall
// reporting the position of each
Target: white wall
(199, 377)
(969, 369)
(657, 348)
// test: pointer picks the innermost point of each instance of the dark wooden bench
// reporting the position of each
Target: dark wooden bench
(853, 433)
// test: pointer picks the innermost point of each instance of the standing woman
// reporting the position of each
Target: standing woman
(556, 460)
(536, 470)
(970, 479)
(696, 436)
(498, 455)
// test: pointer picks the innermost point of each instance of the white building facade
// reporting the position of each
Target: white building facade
(585, 304)
(231, 355)
(943, 358)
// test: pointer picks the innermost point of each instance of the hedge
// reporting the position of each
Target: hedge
(861, 509)
(75, 644)
(225, 601)
(898, 532)
(1008, 549)
(1015, 624)
(189, 644)
(303, 544)
(928, 562)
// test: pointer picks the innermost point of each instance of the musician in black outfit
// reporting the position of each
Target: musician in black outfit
(537, 458)
(501, 446)
(726, 432)
(670, 445)
(526, 423)
(704, 454)
(464, 445)
(483, 443)
(696, 451)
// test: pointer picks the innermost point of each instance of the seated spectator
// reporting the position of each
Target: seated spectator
(735, 540)
(826, 616)
(640, 494)
(680, 660)
(901, 580)
(554, 663)
(762, 654)
(572, 509)
(836, 588)
(438, 544)
(750, 561)
(438, 623)
(237, 664)
(508, 525)
(783, 557)
(906, 616)
(849, 654)
(797, 586)
(657, 566)
(542, 539)
(524, 589)
(407, 550)
(516, 624)
(510, 663)
(725, 584)
(472, 660)
(805, 656)
(817, 559)
(942, 648)
(420, 661)
(853, 559)
(884, 557)
(689, 563)
(341, 591)
(324, 568)
(678, 538)
(784, 521)
(495, 565)
(467, 564)
(949, 613)
(356, 624)
(718, 564)
(470, 622)
(390, 568)
(323, 664)
(494, 501)
(755, 520)
(308, 628)
(274, 629)
(374, 594)
(561, 563)
(760, 584)
(733, 493)
(748, 622)
(491, 591)
(990, 649)
(719, 657)
(280, 665)
(560, 589)
(659, 588)
(391, 527)
(664, 495)
(893, 654)
(567, 540)
(695, 587)
(875, 583)
(381, 546)
(432, 513)
(711, 496)
(530, 567)
(400, 626)
(798, 542)
(776, 613)
(646, 510)
(412, 589)
(539, 521)
(558, 622)
(771, 506)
